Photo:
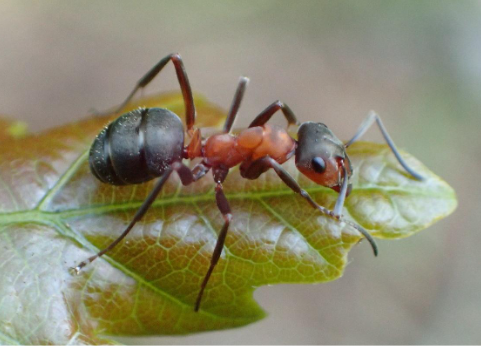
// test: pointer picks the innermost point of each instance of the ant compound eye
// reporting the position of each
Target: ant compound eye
(318, 164)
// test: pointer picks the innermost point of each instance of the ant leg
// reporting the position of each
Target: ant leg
(267, 113)
(366, 124)
(236, 102)
(186, 178)
(224, 208)
(342, 194)
(138, 215)
(185, 174)
(200, 170)
(256, 168)
(183, 81)
(262, 164)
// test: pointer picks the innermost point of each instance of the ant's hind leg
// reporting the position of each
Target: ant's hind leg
(236, 102)
(224, 208)
(259, 166)
(186, 177)
(184, 87)
(366, 124)
(267, 113)
(138, 215)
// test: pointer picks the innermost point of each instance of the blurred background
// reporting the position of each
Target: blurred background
(417, 63)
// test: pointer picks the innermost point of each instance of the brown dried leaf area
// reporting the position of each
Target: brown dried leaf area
(54, 214)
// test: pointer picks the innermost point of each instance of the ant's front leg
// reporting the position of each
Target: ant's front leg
(256, 168)
(342, 193)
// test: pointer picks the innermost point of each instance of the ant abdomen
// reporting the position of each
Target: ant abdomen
(137, 147)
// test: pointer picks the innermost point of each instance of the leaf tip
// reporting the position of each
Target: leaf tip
(17, 129)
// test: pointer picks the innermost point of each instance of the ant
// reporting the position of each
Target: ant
(148, 143)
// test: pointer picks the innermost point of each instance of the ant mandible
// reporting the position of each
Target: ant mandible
(148, 143)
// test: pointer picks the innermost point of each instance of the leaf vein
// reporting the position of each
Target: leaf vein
(292, 228)
(143, 281)
(64, 178)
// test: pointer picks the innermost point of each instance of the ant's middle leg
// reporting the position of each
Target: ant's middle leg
(183, 81)
(366, 124)
(256, 168)
(267, 113)
(224, 208)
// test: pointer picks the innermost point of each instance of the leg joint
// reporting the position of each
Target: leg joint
(175, 56)
(228, 218)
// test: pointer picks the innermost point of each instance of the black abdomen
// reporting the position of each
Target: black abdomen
(137, 147)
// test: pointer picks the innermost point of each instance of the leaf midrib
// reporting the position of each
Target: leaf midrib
(42, 205)
(37, 214)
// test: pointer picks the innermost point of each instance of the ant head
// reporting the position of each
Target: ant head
(320, 155)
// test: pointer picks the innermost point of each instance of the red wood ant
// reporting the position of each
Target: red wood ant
(148, 143)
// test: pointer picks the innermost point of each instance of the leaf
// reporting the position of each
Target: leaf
(55, 214)
(12, 129)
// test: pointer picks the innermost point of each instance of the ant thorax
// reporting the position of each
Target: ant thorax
(229, 150)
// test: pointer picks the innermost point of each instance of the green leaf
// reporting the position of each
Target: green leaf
(54, 214)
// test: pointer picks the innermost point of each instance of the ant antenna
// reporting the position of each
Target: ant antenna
(366, 124)
(365, 233)
(338, 210)
(359, 228)
(294, 186)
